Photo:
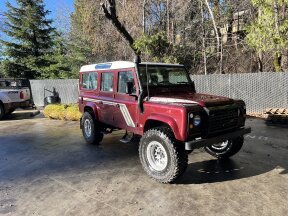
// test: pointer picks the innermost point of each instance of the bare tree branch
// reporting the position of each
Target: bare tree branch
(112, 16)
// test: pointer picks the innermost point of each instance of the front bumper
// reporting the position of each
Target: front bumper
(199, 143)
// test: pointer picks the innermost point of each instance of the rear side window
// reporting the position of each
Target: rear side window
(93, 79)
(123, 78)
(107, 82)
(89, 80)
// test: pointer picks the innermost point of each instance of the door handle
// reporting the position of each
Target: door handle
(100, 102)
(117, 105)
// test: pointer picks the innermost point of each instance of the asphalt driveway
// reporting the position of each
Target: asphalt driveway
(47, 169)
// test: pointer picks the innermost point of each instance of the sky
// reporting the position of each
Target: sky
(60, 13)
(55, 6)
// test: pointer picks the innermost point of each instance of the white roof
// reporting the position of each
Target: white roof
(160, 64)
(118, 65)
(112, 66)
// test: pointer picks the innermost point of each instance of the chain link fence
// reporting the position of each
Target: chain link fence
(258, 90)
(66, 89)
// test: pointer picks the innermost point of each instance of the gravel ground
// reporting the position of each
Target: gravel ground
(47, 169)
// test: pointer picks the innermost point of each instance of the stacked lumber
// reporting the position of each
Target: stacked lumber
(277, 115)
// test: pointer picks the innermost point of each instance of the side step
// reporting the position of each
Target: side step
(128, 137)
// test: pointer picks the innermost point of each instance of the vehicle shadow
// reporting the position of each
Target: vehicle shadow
(277, 125)
(212, 171)
(23, 114)
(58, 150)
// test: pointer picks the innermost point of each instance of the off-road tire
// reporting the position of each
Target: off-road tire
(176, 155)
(233, 147)
(2, 111)
(96, 136)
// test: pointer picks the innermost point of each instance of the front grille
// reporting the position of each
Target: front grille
(222, 119)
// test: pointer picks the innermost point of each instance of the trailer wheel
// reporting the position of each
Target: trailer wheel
(90, 129)
(225, 149)
(162, 157)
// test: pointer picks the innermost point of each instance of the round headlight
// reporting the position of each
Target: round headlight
(197, 120)
(191, 115)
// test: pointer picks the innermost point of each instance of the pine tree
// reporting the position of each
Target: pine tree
(60, 67)
(30, 41)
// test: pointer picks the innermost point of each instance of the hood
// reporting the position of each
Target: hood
(203, 100)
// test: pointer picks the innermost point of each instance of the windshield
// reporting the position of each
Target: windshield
(163, 75)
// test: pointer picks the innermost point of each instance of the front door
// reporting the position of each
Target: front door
(125, 114)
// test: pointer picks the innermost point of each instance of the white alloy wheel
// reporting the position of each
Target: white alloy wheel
(221, 146)
(162, 157)
(87, 127)
(157, 156)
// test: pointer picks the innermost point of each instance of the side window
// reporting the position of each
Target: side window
(93, 79)
(123, 78)
(85, 80)
(107, 82)
(89, 80)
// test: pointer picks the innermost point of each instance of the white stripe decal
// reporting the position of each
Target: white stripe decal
(126, 115)
(123, 109)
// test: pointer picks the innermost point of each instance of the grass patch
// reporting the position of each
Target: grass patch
(62, 112)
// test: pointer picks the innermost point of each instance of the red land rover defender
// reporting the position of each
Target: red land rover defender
(158, 102)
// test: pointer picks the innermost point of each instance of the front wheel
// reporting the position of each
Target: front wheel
(225, 149)
(90, 129)
(161, 156)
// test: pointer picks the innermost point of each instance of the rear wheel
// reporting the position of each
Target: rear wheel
(162, 157)
(226, 149)
(91, 129)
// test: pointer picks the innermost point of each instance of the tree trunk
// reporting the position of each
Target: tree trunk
(278, 54)
(277, 61)
(144, 16)
(214, 26)
(173, 24)
(260, 61)
(203, 39)
(168, 19)
(230, 26)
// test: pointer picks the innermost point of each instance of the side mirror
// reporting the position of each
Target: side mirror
(129, 88)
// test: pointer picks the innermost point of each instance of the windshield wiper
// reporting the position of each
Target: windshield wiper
(164, 82)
